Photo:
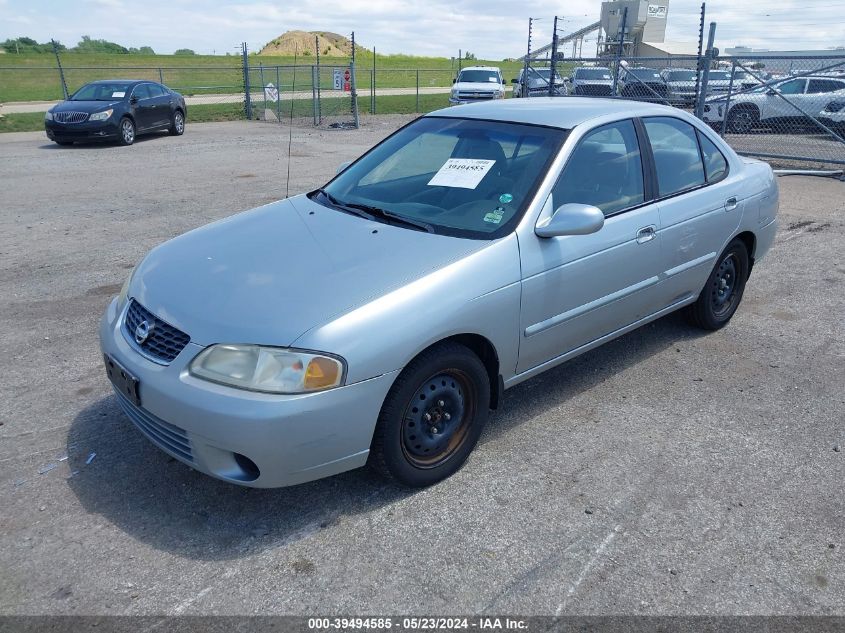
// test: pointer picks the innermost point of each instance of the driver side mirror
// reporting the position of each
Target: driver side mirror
(514, 80)
(571, 219)
(133, 100)
(771, 92)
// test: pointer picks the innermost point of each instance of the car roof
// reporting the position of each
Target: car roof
(480, 68)
(564, 113)
(123, 81)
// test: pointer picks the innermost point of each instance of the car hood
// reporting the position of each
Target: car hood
(269, 275)
(477, 86)
(678, 85)
(84, 106)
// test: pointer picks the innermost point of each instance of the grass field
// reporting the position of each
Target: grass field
(34, 77)
(302, 108)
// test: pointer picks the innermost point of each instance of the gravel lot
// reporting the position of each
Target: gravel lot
(668, 472)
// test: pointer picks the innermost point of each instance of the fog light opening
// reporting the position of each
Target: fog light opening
(250, 470)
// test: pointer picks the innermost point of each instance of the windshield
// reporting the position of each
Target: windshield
(719, 75)
(741, 74)
(464, 177)
(479, 76)
(593, 73)
(644, 73)
(108, 91)
(681, 75)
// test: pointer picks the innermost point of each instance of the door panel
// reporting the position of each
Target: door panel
(578, 288)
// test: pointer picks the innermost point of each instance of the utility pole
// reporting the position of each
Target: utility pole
(554, 59)
(709, 54)
(59, 65)
(353, 91)
(620, 46)
(524, 83)
(699, 68)
(247, 95)
(460, 58)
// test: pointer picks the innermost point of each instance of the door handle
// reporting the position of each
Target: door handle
(645, 234)
(731, 204)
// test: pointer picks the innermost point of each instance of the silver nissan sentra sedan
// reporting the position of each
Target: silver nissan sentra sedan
(379, 318)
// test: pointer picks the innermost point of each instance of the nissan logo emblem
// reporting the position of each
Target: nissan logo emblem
(142, 332)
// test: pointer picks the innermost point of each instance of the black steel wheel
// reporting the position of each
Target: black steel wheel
(177, 123)
(723, 292)
(432, 416)
(126, 131)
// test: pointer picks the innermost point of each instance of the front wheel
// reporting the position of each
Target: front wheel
(742, 120)
(723, 292)
(432, 416)
(177, 123)
(127, 131)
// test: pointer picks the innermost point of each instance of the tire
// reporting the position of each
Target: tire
(723, 291)
(126, 131)
(742, 120)
(432, 417)
(177, 124)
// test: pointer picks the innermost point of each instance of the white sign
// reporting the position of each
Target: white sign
(271, 93)
(464, 173)
(657, 11)
(337, 77)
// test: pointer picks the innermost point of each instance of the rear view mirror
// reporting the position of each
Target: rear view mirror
(571, 219)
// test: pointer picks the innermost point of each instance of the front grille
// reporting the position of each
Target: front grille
(476, 95)
(593, 91)
(166, 436)
(163, 343)
(70, 117)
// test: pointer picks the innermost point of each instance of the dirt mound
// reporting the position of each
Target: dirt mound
(303, 43)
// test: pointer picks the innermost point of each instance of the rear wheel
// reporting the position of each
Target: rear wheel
(742, 120)
(432, 416)
(126, 135)
(723, 292)
(177, 123)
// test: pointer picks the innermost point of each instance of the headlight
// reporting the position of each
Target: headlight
(48, 116)
(500, 94)
(454, 93)
(101, 116)
(124, 290)
(268, 369)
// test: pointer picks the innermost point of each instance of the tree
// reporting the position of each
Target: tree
(28, 45)
(184, 51)
(87, 45)
(144, 50)
(470, 56)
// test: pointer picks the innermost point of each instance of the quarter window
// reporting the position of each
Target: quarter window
(677, 159)
(715, 163)
(604, 171)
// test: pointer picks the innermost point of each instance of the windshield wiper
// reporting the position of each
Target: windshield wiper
(370, 212)
(343, 206)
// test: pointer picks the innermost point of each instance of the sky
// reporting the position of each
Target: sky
(490, 29)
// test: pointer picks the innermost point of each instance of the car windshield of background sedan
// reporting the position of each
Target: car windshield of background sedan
(102, 91)
(719, 75)
(680, 75)
(644, 73)
(461, 177)
(596, 74)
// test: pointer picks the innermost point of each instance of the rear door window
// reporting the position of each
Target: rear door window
(825, 85)
(715, 163)
(677, 159)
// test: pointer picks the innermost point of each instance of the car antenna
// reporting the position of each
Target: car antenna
(290, 124)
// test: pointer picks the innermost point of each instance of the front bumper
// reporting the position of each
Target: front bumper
(247, 438)
(87, 131)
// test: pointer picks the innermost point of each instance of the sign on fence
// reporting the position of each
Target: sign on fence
(342, 79)
(271, 93)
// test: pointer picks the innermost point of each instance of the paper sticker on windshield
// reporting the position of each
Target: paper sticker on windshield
(464, 173)
(505, 198)
(116, 95)
(495, 216)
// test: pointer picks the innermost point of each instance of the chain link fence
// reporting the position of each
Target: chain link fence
(789, 111)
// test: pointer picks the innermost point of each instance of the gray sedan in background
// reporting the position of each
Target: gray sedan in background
(379, 318)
